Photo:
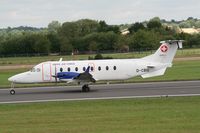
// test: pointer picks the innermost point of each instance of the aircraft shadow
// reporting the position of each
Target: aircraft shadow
(56, 92)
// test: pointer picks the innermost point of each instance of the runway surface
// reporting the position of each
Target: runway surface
(112, 91)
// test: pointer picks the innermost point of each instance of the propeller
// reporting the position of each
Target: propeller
(56, 78)
(55, 75)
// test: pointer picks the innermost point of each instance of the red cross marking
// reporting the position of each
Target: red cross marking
(164, 48)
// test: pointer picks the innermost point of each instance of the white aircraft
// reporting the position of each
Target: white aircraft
(90, 71)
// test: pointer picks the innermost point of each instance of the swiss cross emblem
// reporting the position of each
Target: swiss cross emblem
(164, 48)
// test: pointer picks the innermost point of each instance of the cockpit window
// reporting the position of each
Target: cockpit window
(38, 70)
(33, 69)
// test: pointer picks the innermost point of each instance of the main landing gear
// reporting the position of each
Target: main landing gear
(85, 88)
(12, 91)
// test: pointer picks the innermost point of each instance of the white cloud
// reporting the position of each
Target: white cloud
(40, 12)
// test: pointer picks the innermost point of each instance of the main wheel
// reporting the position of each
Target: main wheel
(12, 92)
(85, 88)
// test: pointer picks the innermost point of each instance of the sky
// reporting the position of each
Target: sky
(39, 13)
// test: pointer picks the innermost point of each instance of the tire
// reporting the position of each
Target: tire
(12, 92)
(85, 88)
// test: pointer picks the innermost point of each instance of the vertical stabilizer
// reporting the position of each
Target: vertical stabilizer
(166, 52)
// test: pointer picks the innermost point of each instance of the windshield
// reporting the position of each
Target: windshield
(35, 69)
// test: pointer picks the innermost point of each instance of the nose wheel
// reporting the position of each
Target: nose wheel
(12, 91)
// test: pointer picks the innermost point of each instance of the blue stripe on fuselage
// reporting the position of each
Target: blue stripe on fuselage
(67, 75)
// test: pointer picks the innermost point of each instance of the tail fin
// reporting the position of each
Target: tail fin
(162, 58)
(166, 52)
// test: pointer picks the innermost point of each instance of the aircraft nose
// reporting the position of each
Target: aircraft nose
(11, 79)
(17, 78)
(20, 78)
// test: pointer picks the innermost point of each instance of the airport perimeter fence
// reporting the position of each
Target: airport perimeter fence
(181, 52)
(75, 53)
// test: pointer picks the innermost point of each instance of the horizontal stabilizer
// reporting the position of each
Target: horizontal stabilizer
(178, 42)
(154, 73)
(151, 66)
(158, 65)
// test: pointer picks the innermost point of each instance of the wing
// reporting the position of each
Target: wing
(75, 77)
(85, 76)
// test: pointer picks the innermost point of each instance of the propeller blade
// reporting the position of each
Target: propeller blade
(56, 78)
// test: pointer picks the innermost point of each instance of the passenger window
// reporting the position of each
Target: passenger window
(115, 68)
(84, 69)
(99, 68)
(92, 68)
(68, 69)
(107, 68)
(76, 69)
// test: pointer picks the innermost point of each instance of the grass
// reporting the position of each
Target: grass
(181, 70)
(38, 59)
(152, 115)
(5, 74)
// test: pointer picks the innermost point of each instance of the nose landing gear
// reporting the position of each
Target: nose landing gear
(12, 91)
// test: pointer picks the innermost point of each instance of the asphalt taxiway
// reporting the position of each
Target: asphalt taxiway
(111, 91)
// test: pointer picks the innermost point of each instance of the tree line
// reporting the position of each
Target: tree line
(89, 35)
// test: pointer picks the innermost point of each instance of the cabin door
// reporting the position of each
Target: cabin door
(46, 72)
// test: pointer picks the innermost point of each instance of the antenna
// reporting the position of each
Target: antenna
(60, 59)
